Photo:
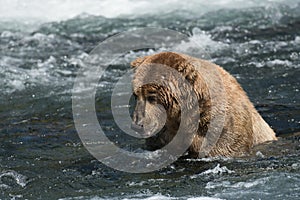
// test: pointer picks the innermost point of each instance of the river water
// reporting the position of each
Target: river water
(42, 47)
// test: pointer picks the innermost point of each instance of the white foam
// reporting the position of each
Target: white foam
(210, 159)
(215, 170)
(53, 10)
(250, 184)
(42, 72)
(295, 165)
(200, 44)
(275, 62)
(218, 170)
(203, 198)
(260, 154)
(297, 39)
(142, 197)
(139, 196)
(19, 178)
(154, 197)
(238, 185)
(8, 34)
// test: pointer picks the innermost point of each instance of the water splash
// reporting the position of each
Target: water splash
(20, 179)
(55, 10)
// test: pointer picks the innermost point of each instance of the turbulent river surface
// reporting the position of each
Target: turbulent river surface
(42, 47)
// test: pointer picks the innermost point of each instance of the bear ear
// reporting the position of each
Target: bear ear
(137, 62)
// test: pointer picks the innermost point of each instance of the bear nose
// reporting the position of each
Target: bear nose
(137, 128)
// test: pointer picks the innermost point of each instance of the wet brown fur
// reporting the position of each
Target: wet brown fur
(243, 126)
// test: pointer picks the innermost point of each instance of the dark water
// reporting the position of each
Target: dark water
(42, 157)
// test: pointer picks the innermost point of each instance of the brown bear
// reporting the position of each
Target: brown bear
(243, 126)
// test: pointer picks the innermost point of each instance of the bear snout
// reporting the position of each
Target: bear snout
(138, 128)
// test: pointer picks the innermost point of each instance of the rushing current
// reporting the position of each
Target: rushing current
(44, 44)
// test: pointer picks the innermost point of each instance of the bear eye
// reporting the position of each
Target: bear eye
(151, 99)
